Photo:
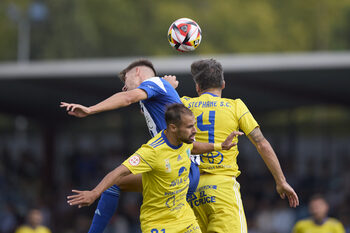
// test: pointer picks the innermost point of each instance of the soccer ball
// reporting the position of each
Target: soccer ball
(184, 35)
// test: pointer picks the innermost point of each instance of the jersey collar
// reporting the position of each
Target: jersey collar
(210, 94)
(168, 143)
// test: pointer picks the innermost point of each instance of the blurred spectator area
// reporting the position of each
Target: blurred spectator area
(301, 102)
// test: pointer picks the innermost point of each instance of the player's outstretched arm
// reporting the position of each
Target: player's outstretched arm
(86, 198)
(268, 155)
(118, 100)
(202, 147)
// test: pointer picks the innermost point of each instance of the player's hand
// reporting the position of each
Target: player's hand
(228, 144)
(82, 198)
(76, 110)
(285, 190)
(172, 80)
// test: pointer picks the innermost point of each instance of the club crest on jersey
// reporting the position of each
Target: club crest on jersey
(134, 160)
(167, 165)
(179, 158)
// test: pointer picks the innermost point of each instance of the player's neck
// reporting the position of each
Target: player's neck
(173, 140)
(320, 221)
(215, 91)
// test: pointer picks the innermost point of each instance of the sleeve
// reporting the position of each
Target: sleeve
(143, 160)
(245, 119)
(339, 227)
(153, 87)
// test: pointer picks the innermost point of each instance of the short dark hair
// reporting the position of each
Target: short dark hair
(141, 62)
(207, 73)
(174, 112)
(317, 196)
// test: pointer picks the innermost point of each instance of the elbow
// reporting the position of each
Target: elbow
(263, 145)
(128, 100)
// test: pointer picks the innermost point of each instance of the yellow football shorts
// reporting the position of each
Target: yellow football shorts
(191, 227)
(217, 205)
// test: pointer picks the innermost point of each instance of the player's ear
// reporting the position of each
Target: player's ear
(198, 89)
(172, 127)
(223, 84)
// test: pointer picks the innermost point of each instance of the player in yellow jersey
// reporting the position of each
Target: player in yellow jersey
(164, 163)
(34, 223)
(319, 222)
(217, 202)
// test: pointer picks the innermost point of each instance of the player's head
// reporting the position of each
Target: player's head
(35, 218)
(207, 74)
(318, 207)
(135, 73)
(181, 122)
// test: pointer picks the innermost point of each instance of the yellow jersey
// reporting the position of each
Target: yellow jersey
(216, 118)
(165, 170)
(331, 225)
(27, 229)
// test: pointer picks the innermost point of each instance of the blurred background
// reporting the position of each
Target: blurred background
(288, 60)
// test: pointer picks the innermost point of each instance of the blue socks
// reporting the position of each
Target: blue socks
(105, 209)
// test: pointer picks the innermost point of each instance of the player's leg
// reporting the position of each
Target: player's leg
(194, 180)
(228, 208)
(106, 207)
(218, 198)
(109, 200)
(198, 208)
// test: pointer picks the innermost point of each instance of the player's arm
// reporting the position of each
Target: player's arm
(86, 198)
(202, 147)
(268, 155)
(118, 100)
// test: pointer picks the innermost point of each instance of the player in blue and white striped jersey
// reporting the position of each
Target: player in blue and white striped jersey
(154, 95)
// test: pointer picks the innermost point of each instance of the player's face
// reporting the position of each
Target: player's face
(186, 131)
(35, 218)
(132, 80)
(318, 209)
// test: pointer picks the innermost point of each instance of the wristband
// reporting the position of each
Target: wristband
(217, 146)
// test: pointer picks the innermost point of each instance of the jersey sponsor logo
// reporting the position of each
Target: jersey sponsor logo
(181, 170)
(192, 228)
(201, 200)
(170, 202)
(215, 157)
(167, 166)
(179, 180)
(134, 160)
(205, 187)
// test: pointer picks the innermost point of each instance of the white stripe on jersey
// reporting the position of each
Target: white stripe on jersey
(240, 206)
(157, 81)
(150, 123)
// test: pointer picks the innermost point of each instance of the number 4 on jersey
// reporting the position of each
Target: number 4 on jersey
(207, 127)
